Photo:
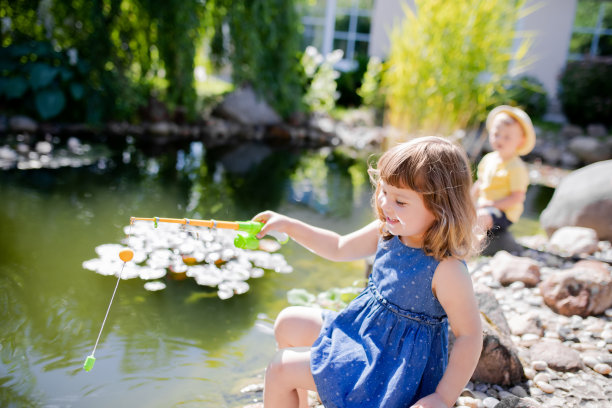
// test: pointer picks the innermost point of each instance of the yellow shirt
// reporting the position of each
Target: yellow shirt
(498, 179)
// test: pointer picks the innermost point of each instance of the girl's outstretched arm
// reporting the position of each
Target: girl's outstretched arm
(452, 286)
(325, 243)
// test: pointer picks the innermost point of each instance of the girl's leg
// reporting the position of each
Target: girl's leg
(298, 326)
(288, 371)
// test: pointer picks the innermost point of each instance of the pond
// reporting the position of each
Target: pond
(181, 346)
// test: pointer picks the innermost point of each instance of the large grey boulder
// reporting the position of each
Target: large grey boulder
(582, 199)
(246, 108)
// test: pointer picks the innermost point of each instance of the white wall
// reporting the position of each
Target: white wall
(551, 25)
(385, 15)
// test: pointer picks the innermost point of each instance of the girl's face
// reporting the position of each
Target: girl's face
(405, 213)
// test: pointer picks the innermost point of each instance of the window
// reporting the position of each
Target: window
(592, 33)
(338, 24)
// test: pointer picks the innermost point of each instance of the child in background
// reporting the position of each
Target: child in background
(502, 176)
(388, 348)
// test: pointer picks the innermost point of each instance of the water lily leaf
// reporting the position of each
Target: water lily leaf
(300, 297)
(50, 102)
(13, 87)
(41, 75)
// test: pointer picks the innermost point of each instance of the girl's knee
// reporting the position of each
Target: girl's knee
(297, 326)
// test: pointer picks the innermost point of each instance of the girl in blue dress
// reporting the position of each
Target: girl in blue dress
(389, 347)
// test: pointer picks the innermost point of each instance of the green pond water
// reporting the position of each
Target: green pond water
(182, 346)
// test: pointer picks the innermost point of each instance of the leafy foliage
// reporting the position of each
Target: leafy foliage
(263, 46)
(321, 88)
(445, 61)
(586, 92)
(370, 90)
(528, 93)
(55, 83)
(133, 50)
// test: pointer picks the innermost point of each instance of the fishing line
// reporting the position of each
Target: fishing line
(125, 255)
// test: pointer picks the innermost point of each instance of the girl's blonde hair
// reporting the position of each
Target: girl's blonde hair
(439, 171)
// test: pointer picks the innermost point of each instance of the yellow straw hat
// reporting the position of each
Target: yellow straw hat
(523, 119)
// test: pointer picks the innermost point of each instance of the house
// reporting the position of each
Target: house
(563, 30)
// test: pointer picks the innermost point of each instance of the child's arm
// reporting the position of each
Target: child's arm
(453, 288)
(516, 197)
(325, 243)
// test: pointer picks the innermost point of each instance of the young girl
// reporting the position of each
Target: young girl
(389, 347)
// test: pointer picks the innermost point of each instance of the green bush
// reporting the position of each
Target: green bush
(586, 92)
(370, 90)
(529, 94)
(42, 82)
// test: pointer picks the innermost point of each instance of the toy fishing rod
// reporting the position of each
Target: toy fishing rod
(248, 241)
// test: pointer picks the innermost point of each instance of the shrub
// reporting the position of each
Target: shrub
(321, 89)
(370, 90)
(529, 94)
(39, 81)
(446, 61)
(586, 92)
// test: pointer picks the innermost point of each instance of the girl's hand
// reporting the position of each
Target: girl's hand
(272, 222)
(431, 401)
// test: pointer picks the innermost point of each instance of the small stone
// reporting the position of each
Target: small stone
(529, 373)
(546, 387)
(590, 361)
(505, 395)
(529, 339)
(544, 377)
(468, 402)
(539, 365)
(490, 402)
(480, 395)
(602, 368)
(518, 391)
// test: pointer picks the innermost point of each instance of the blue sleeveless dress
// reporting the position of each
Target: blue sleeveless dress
(389, 347)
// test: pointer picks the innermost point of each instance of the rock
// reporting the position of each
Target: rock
(602, 368)
(574, 241)
(570, 132)
(501, 241)
(499, 362)
(589, 149)
(557, 356)
(596, 130)
(529, 323)
(490, 402)
(23, 124)
(583, 290)
(245, 107)
(583, 198)
(508, 268)
(538, 365)
(546, 387)
(489, 306)
(161, 128)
